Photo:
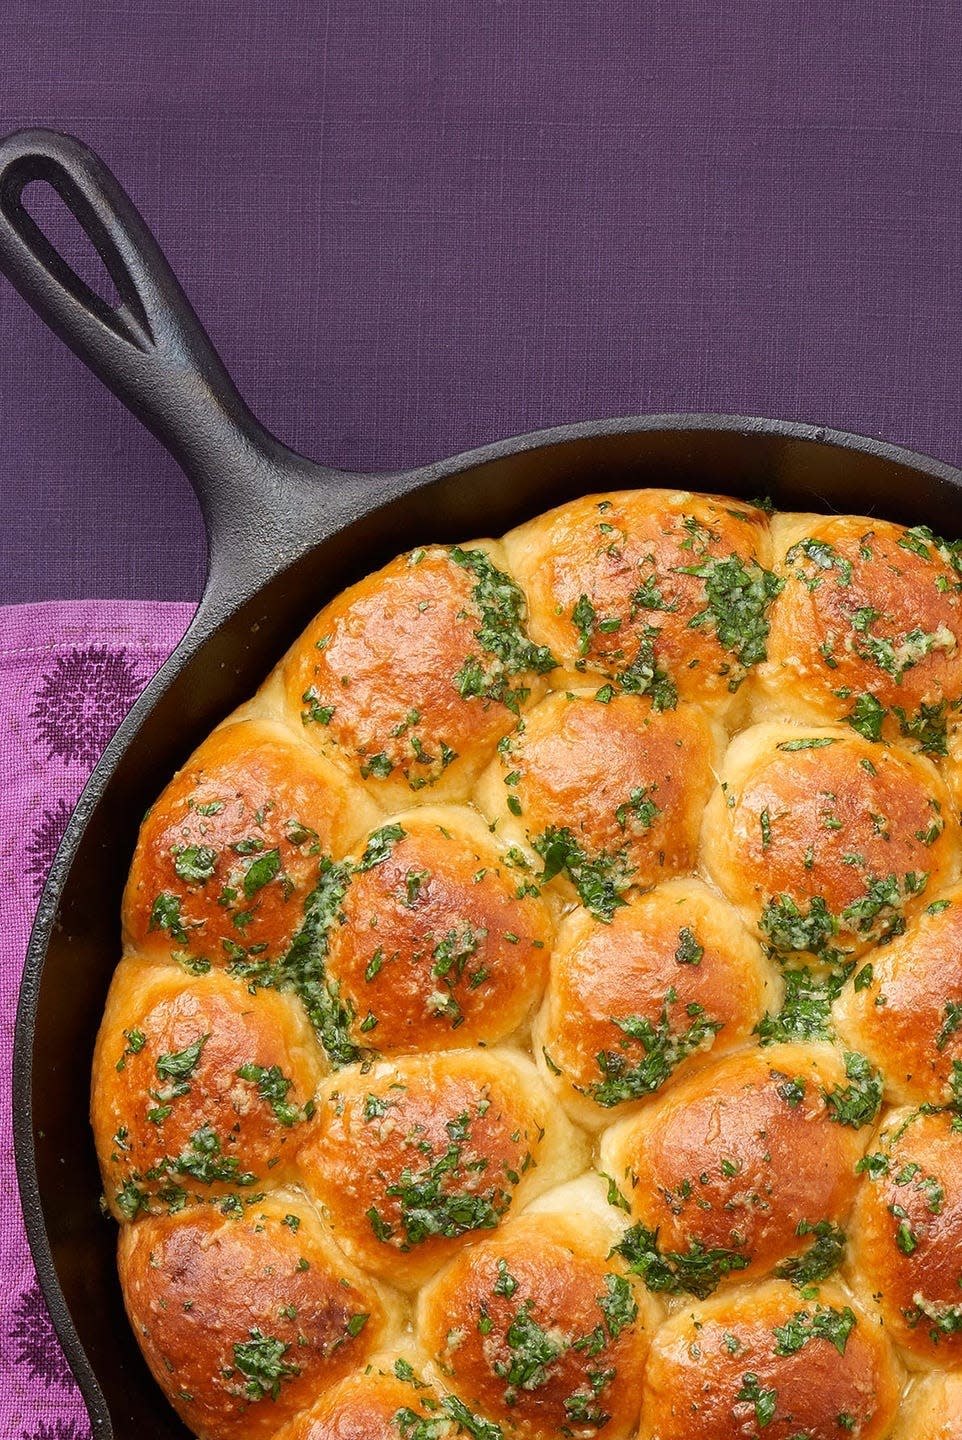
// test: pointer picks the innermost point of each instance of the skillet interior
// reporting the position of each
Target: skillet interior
(231, 646)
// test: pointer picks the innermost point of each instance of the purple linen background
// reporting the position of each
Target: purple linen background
(414, 227)
(68, 675)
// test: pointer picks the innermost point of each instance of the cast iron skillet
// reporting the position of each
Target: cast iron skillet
(285, 535)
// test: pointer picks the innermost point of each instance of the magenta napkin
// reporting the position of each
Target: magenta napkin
(69, 672)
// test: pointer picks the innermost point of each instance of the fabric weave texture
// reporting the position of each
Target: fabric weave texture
(68, 675)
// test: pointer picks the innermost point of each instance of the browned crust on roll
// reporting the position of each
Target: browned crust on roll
(674, 971)
(608, 574)
(444, 940)
(754, 1363)
(243, 1320)
(229, 852)
(414, 1160)
(907, 1231)
(392, 681)
(200, 1089)
(868, 624)
(546, 1278)
(648, 773)
(820, 819)
(736, 1158)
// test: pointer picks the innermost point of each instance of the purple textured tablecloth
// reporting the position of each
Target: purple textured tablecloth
(413, 227)
(68, 675)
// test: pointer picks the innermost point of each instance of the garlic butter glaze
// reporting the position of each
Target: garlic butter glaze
(540, 1012)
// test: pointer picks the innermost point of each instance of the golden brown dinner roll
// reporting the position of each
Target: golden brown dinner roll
(608, 791)
(443, 938)
(866, 628)
(228, 854)
(826, 841)
(409, 677)
(903, 1007)
(413, 1158)
(386, 1400)
(244, 1320)
(660, 590)
(526, 962)
(766, 1361)
(907, 1233)
(200, 1091)
(932, 1409)
(748, 1162)
(540, 1329)
(636, 1003)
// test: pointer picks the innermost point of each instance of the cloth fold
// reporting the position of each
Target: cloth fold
(69, 672)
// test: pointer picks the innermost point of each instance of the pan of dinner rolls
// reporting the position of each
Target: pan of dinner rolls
(513, 949)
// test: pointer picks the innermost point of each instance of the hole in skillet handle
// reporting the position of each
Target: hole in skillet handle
(45, 279)
(44, 205)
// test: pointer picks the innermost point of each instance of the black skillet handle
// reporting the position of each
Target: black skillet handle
(150, 349)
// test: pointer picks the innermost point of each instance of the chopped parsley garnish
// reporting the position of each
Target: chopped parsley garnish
(895, 659)
(194, 864)
(879, 911)
(534, 1350)
(867, 717)
(203, 1160)
(807, 742)
(379, 846)
(791, 1090)
(472, 1424)
(928, 726)
(599, 881)
(689, 952)
(165, 915)
(316, 712)
(583, 617)
(130, 1200)
(303, 969)
(136, 1040)
(379, 765)
(445, 1198)
(261, 871)
(826, 1323)
(820, 1260)
(639, 809)
(179, 1065)
(951, 1023)
(920, 540)
(738, 595)
(261, 1361)
(696, 1271)
(877, 915)
(644, 676)
(857, 1103)
(824, 557)
(449, 959)
(790, 929)
(272, 1087)
(806, 1008)
(501, 635)
(764, 1401)
(663, 1050)
(649, 596)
